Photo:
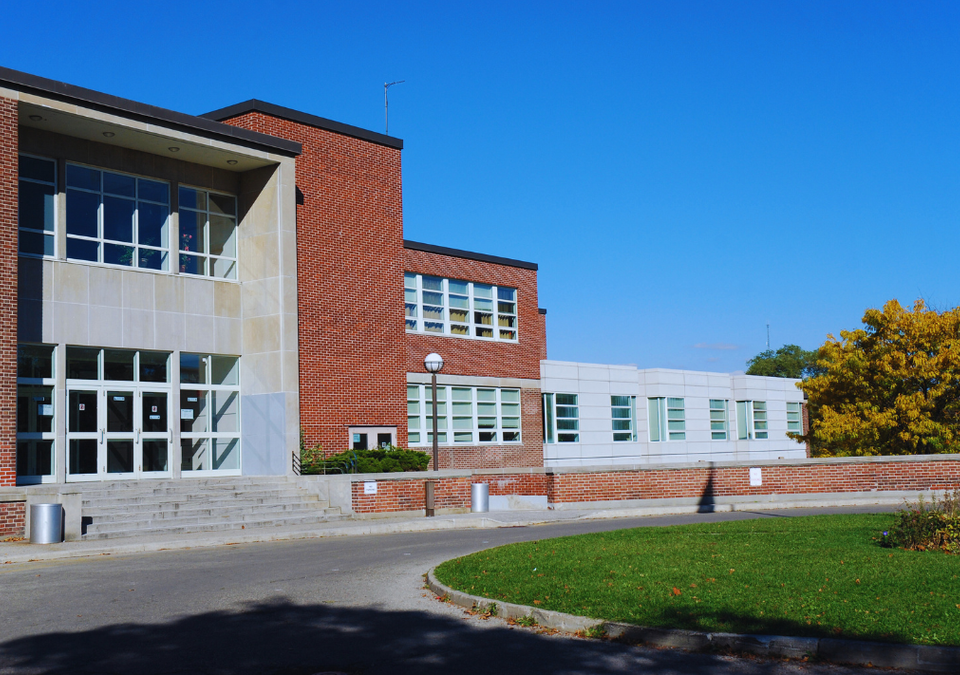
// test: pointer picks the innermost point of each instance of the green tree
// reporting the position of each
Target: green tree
(788, 361)
(889, 388)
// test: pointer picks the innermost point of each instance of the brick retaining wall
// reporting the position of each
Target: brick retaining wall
(570, 486)
(13, 519)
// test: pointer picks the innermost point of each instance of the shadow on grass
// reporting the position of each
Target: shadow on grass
(282, 638)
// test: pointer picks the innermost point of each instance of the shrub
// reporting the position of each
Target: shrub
(387, 460)
(927, 527)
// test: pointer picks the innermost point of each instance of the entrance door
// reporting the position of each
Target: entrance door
(155, 434)
(84, 435)
(120, 410)
(117, 433)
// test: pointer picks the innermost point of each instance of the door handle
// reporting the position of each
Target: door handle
(102, 431)
(138, 435)
(169, 435)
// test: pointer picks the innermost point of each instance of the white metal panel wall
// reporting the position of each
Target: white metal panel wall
(595, 384)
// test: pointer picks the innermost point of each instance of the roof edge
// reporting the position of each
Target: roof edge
(20, 81)
(256, 105)
(468, 255)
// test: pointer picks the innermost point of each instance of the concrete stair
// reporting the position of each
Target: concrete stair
(164, 507)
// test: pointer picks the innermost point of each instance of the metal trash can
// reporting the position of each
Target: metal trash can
(46, 523)
(479, 498)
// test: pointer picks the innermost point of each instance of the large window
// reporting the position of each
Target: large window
(37, 205)
(465, 415)
(459, 308)
(718, 419)
(668, 421)
(117, 219)
(623, 410)
(752, 420)
(209, 413)
(208, 233)
(561, 418)
(36, 430)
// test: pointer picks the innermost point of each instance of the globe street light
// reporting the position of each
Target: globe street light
(434, 363)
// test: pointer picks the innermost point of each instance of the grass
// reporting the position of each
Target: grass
(820, 576)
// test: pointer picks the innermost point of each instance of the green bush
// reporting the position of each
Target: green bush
(927, 527)
(386, 460)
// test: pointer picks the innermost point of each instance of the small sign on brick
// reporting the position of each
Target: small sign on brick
(756, 476)
(369, 487)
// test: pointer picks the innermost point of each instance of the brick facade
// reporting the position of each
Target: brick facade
(349, 281)
(477, 357)
(8, 293)
(13, 519)
(572, 487)
(480, 358)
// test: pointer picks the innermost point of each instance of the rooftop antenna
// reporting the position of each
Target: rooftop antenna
(768, 336)
(386, 106)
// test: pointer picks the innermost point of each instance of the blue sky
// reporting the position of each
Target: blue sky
(682, 172)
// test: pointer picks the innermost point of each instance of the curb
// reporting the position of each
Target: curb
(848, 652)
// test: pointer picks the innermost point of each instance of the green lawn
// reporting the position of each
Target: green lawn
(812, 576)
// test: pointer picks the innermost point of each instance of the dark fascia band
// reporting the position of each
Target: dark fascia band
(468, 255)
(14, 79)
(253, 105)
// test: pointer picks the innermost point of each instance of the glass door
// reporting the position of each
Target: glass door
(120, 460)
(155, 434)
(84, 434)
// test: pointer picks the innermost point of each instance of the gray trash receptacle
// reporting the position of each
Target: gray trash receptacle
(46, 523)
(479, 498)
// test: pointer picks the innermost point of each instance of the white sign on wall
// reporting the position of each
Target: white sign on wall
(756, 476)
(369, 487)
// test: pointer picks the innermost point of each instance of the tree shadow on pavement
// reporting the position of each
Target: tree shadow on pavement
(282, 638)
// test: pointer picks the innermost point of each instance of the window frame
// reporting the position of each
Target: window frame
(554, 432)
(207, 256)
(416, 321)
(43, 436)
(100, 239)
(721, 432)
(798, 422)
(631, 409)
(56, 216)
(451, 412)
(752, 421)
(211, 436)
(667, 428)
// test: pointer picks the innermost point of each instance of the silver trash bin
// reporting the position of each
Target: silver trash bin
(479, 498)
(46, 523)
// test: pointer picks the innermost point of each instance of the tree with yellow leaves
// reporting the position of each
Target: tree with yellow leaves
(890, 388)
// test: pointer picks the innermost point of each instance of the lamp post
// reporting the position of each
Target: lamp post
(434, 363)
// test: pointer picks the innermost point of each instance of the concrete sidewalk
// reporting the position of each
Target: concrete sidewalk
(23, 551)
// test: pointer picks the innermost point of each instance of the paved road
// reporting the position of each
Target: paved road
(354, 605)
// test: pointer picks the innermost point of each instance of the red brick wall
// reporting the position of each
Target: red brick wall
(479, 358)
(449, 493)
(777, 480)
(8, 292)
(824, 476)
(350, 282)
(13, 519)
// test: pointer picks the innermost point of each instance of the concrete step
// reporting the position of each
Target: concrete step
(224, 499)
(136, 508)
(158, 529)
(164, 511)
